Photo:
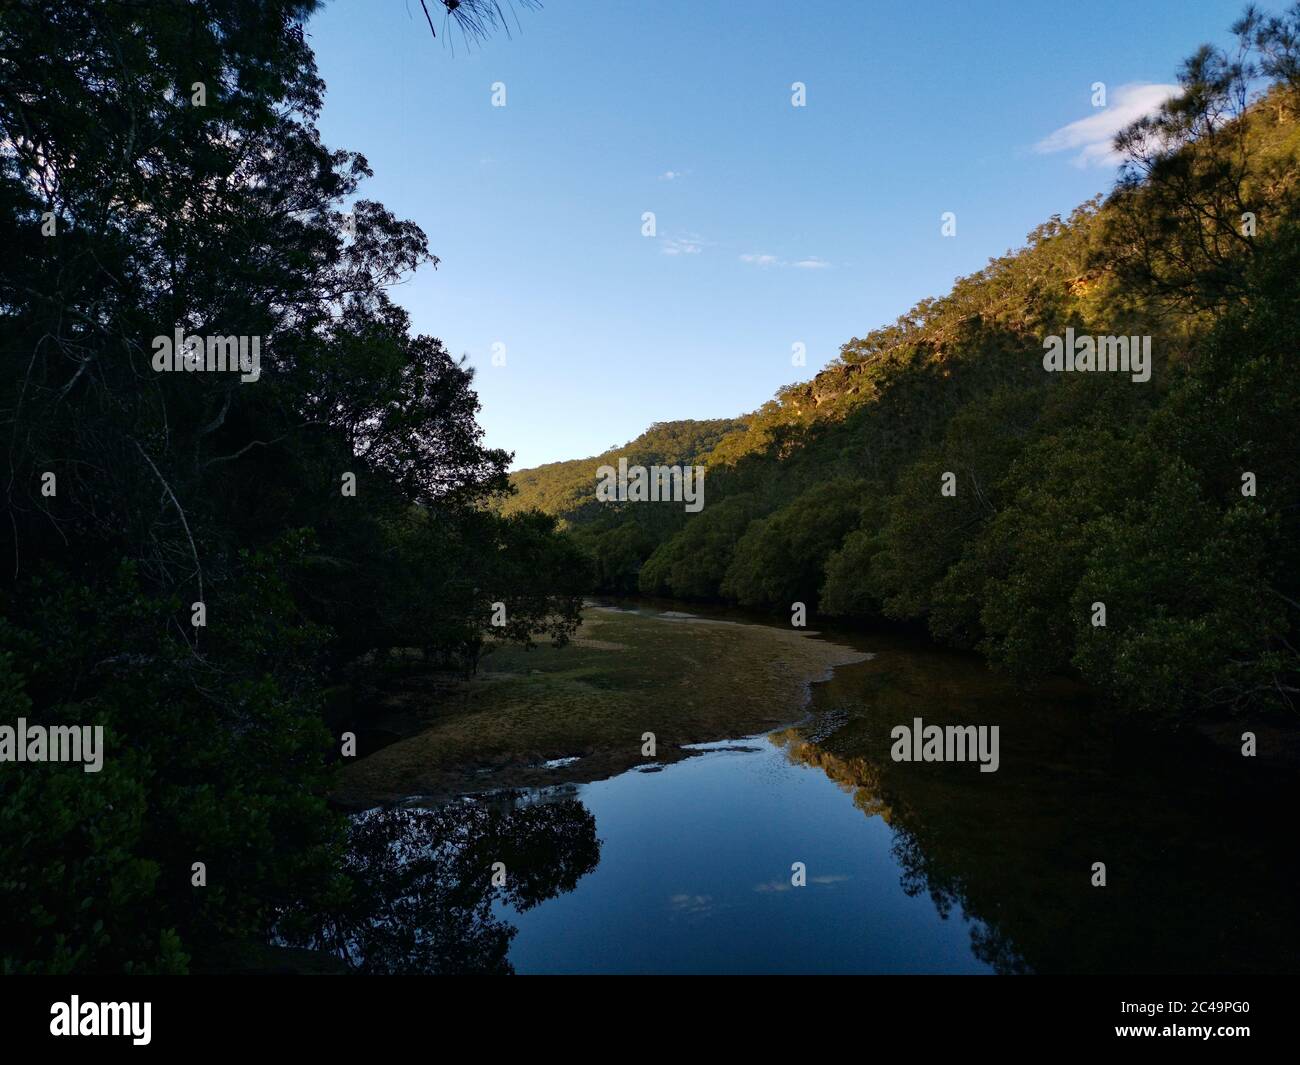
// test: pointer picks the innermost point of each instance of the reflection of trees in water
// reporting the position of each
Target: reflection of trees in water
(857, 776)
(1199, 881)
(921, 873)
(423, 895)
(862, 779)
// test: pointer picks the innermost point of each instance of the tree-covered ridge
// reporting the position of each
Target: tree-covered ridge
(1172, 503)
(567, 489)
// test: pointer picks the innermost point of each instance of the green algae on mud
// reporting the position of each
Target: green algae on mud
(627, 672)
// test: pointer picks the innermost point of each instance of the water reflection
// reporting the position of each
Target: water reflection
(425, 898)
(911, 867)
(1199, 876)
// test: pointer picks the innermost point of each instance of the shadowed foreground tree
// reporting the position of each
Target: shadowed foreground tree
(191, 552)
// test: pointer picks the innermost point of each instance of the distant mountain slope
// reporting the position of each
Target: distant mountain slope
(567, 489)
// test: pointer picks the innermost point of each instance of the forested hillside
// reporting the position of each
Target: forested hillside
(1172, 502)
(563, 489)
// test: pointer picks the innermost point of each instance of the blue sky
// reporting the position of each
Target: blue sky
(775, 225)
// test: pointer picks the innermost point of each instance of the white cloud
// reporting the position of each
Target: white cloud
(681, 245)
(811, 262)
(1091, 137)
(672, 175)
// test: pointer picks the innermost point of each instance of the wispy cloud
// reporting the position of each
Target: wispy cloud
(811, 262)
(687, 245)
(1091, 137)
(673, 175)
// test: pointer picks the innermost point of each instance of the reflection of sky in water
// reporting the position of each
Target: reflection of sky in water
(686, 867)
(695, 876)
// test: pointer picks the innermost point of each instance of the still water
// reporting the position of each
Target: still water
(695, 877)
(908, 868)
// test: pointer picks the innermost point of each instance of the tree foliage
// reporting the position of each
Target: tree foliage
(161, 169)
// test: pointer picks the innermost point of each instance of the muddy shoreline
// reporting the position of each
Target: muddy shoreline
(435, 737)
(581, 713)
